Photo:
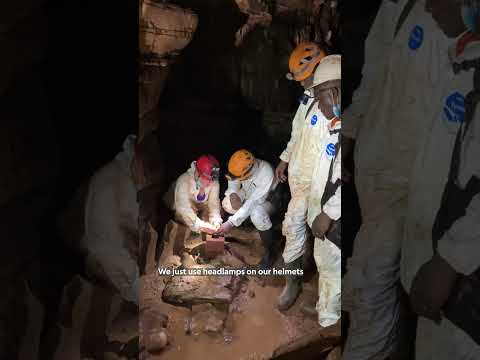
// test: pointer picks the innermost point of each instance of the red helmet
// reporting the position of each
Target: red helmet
(208, 167)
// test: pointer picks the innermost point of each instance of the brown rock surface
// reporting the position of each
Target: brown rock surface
(191, 290)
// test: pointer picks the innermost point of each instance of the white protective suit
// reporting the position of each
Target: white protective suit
(328, 256)
(303, 153)
(460, 246)
(190, 208)
(387, 119)
(111, 218)
(253, 193)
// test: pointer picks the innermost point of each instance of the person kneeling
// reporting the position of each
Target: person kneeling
(196, 196)
(250, 183)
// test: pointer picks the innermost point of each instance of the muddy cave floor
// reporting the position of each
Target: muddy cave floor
(246, 327)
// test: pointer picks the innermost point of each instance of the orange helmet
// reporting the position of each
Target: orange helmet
(240, 165)
(303, 60)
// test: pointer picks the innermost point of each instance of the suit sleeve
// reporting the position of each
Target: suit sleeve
(377, 48)
(256, 198)
(460, 245)
(296, 128)
(214, 204)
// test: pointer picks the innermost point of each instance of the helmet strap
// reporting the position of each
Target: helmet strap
(196, 176)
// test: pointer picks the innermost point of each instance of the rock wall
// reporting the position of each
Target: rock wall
(246, 84)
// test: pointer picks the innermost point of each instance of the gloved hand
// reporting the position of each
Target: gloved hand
(321, 225)
(431, 288)
(203, 226)
(207, 230)
(280, 171)
(216, 224)
(235, 201)
(225, 228)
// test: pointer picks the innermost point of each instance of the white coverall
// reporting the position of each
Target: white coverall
(328, 256)
(111, 222)
(460, 246)
(303, 154)
(253, 193)
(387, 119)
(189, 207)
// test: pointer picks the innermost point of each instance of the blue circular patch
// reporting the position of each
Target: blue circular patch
(201, 197)
(454, 109)
(330, 149)
(416, 38)
(314, 119)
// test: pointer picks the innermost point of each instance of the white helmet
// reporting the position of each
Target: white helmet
(329, 68)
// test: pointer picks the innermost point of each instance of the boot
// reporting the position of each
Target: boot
(268, 240)
(292, 288)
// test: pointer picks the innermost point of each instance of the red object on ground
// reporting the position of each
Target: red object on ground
(214, 245)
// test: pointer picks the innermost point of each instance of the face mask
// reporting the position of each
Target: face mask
(336, 111)
(470, 14)
(334, 96)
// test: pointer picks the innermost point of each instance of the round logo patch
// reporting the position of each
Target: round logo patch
(454, 109)
(330, 149)
(416, 38)
(314, 119)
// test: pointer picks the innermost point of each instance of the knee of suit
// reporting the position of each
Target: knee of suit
(294, 226)
(227, 206)
(296, 216)
(286, 226)
(261, 219)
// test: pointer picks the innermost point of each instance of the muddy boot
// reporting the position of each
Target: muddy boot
(268, 241)
(292, 288)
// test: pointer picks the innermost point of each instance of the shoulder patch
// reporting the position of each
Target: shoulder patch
(416, 38)
(454, 108)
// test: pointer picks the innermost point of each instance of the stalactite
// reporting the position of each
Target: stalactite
(319, 13)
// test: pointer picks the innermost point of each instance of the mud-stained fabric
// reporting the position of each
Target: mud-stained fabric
(253, 192)
(333, 204)
(458, 244)
(259, 215)
(304, 152)
(328, 258)
(389, 127)
(188, 203)
(294, 227)
(377, 45)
